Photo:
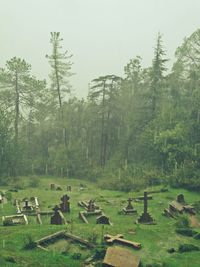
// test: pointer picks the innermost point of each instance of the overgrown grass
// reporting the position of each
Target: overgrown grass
(155, 239)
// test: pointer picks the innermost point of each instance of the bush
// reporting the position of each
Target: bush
(183, 222)
(100, 252)
(76, 256)
(186, 231)
(187, 248)
(197, 236)
(29, 243)
(34, 182)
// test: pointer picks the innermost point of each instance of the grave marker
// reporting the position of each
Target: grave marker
(146, 218)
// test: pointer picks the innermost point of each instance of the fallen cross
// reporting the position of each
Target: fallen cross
(120, 239)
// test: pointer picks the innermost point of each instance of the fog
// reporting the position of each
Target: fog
(102, 35)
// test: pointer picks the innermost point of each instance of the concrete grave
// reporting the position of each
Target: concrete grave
(120, 257)
(19, 219)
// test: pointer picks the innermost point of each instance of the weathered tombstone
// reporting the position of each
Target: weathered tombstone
(52, 186)
(91, 206)
(129, 208)
(69, 188)
(57, 217)
(180, 199)
(27, 206)
(103, 219)
(146, 218)
(65, 205)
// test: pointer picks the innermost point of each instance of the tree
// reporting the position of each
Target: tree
(103, 92)
(61, 71)
(157, 74)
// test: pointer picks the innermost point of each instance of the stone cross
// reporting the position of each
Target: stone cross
(146, 217)
(129, 206)
(120, 239)
(145, 202)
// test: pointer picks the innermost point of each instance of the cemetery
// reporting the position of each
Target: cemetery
(114, 220)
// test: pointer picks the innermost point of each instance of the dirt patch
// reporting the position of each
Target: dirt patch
(194, 221)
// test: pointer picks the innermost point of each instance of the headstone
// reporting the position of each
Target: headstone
(52, 186)
(129, 208)
(57, 217)
(103, 219)
(65, 205)
(180, 199)
(27, 206)
(146, 218)
(91, 206)
(69, 188)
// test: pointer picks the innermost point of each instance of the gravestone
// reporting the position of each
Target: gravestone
(129, 208)
(65, 205)
(180, 199)
(103, 219)
(146, 218)
(52, 186)
(69, 188)
(91, 206)
(57, 217)
(27, 206)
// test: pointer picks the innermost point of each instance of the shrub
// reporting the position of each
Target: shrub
(187, 248)
(100, 252)
(34, 181)
(183, 222)
(29, 243)
(76, 256)
(186, 231)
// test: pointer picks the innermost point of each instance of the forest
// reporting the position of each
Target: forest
(132, 131)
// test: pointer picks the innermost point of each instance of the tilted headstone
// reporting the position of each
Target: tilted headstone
(69, 188)
(57, 217)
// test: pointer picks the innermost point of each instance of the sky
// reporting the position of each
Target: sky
(102, 35)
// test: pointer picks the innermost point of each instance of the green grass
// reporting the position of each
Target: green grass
(155, 239)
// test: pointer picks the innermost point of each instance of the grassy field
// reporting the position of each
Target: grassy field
(155, 239)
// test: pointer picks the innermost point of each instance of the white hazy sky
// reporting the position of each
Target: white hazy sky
(102, 35)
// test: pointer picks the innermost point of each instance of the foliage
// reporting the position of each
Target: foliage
(187, 248)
